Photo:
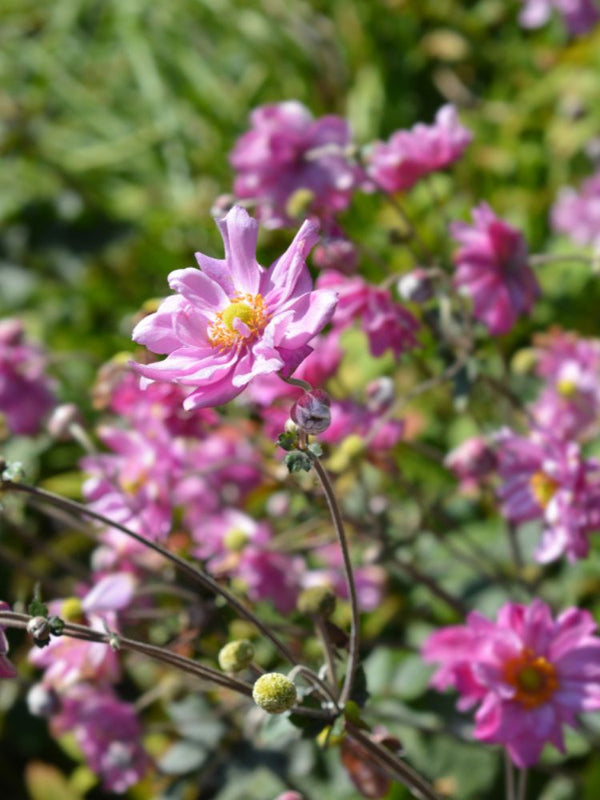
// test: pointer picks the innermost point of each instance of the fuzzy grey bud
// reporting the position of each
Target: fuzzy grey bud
(311, 412)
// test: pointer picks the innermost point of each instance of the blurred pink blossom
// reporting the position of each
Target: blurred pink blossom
(492, 269)
(287, 154)
(576, 213)
(409, 155)
(579, 15)
(532, 674)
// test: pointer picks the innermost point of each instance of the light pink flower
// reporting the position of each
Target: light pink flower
(492, 269)
(231, 320)
(386, 323)
(471, 461)
(579, 15)
(25, 392)
(548, 479)
(108, 732)
(409, 155)
(287, 152)
(569, 403)
(532, 674)
(576, 213)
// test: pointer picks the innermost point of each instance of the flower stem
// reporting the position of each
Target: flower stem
(509, 773)
(338, 524)
(522, 784)
(395, 768)
(192, 571)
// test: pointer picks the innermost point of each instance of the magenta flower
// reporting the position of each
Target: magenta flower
(492, 269)
(473, 460)
(409, 155)
(7, 670)
(108, 732)
(531, 674)
(25, 392)
(547, 479)
(231, 320)
(386, 323)
(569, 403)
(579, 15)
(288, 158)
(577, 213)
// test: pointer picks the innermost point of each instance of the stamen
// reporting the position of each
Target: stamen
(543, 487)
(533, 677)
(250, 310)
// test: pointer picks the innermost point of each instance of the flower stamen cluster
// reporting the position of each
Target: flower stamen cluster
(240, 323)
(533, 677)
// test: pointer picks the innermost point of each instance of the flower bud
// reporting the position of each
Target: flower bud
(416, 286)
(42, 701)
(380, 394)
(311, 412)
(236, 656)
(316, 601)
(274, 693)
(39, 629)
(61, 420)
(71, 609)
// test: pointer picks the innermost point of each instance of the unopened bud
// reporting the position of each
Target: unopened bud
(61, 420)
(39, 629)
(317, 601)
(380, 394)
(311, 412)
(416, 286)
(236, 656)
(274, 693)
(42, 701)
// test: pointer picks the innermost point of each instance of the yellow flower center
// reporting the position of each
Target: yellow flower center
(250, 310)
(533, 677)
(566, 388)
(543, 487)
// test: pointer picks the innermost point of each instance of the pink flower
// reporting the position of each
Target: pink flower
(577, 213)
(409, 155)
(25, 391)
(492, 269)
(386, 323)
(471, 461)
(546, 478)
(579, 15)
(108, 732)
(232, 320)
(531, 674)
(289, 158)
(7, 670)
(570, 400)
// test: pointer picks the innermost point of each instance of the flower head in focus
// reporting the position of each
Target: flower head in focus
(492, 269)
(289, 162)
(532, 674)
(232, 320)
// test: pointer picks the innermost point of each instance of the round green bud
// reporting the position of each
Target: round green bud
(316, 601)
(236, 656)
(235, 540)
(274, 693)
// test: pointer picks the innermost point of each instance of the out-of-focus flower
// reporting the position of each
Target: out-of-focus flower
(473, 460)
(25, 392)
(532, 674)
(546, 478)
(409, 155)
(232, 320)
(369, 579)
(108, 732)
(291, 165)
(577, 213)
(492, 269)
(386, 323)
(569, 403)
(416, 286)
(7, 670)
(579, 15)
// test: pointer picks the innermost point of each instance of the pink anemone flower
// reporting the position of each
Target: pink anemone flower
(532, 674)
(232, 320)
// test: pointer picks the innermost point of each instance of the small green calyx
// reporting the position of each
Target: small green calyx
(274, 693)
(298, 461)
(236, 656)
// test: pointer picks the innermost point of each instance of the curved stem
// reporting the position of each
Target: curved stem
(297, 382)
(338, 524)
(193, 572)
(395, 768)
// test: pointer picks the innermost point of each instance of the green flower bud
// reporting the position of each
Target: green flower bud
(274, 693)
(317, 601)
(236, 656)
